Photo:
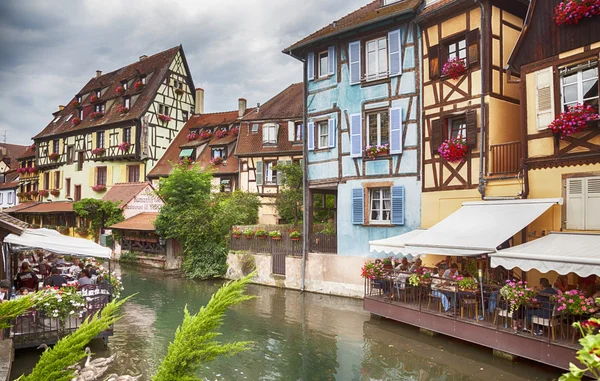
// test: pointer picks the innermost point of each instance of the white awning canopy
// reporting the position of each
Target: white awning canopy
(54, 242)
(564, 253)
(479, 227)
(394, 245)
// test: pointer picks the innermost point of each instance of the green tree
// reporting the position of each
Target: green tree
(15, 307)
(290, 200)
(101, 213)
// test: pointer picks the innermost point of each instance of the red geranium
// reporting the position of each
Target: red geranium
(234, 131)
(76, 104)
(43, 193)
(122, 109)
(192, 136)
(221, 134)
(572, 11)
(454, 68)
(206, 135)
(96, 115)
(453, 150)
(216, 160)
(94, 98)
(138, 85)
(574, 120)
(120, 90)
(75, 121)
(164, 118)
(99, 188)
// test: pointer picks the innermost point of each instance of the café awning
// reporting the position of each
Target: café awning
(54, 242)
(564, 253)
(394, 245)
(479, 227)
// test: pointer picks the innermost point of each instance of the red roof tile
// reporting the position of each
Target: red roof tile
(28, 154)
(368, 14)
(12, 224)
(154, 68)
(287, 104)
(11, 152)
(124, 192)
(142, 221)
(9, 185)
(50, 207)
(20, 207)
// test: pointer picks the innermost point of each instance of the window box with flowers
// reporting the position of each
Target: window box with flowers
(221, 134)
(574, 302)
(96, 115)
(373, 151)
(261, 233)
(94, 98)
(99, 188)
(164, 118)
(234, 131)
(124, 147)
(75, 122)
(179, 91)
(43, 193)
(517, 293)
(21, 171)
(76, 104)
(55, 192)
(192, 136)
(21, 195)
(236, 233)
(249, 233)
(138, 85)
(31, 170)
(54, 156)
(573, 121)
(206, 135)
(216, 160)
(372, 270)
(295, 235)
(453, 150)
(122, 109)
(32, 147)
(454, 68)
(99, 151)
(34, 193)
(275, 235)
(573, 11)
(120, 90)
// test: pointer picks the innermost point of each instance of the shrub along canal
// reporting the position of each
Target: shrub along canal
(296, 337)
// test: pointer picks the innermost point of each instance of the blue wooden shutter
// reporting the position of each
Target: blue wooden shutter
(398, 205)
(311, 66)
(311, 136)
(358, 214)
(259, 173)
(395, 52)
(332, 133)
(395, 130)
(354, 58)
(356, 135)
(331, 60)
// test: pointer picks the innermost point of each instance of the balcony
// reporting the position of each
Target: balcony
(505, 159)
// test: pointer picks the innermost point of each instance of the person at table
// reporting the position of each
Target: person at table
(451, 272)
(86, 278)
(59, 261)
(93, 271)
(75, 270)
(436, 282)
(5, 290)
(447, 262)
(561, 283)
(546, 306)
(26, 278)
(404, 265)
(416, 267)
(55, 280)
(21, 259)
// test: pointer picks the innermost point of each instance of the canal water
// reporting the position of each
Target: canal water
(295, 337)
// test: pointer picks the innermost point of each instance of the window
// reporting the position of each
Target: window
(323, 134)
(56, 119)
(184, 115)
(124, 85)
(186, 153)
(457, 49)
(127, 134)
(80, 114)
(77, 193)
(127, 102)
(79, 98)
(254, 128)
(11, 197)
(57, 180)
(298, 132)
(143, 79)
(163, 109)
(270, 173)
(133, 173)
(100, 139)
(100, 107)
(219, 152)
(55, 146)
(579, 85)
(98, 93)
(457, 128)
(377, 59)
(225, 185)
(381, 205)
(68, 187)
(465, 47)
(379, 128)
(80, 160)
(583, 203)
(101, 175)
(388, 2)
(269, 132)
(323, 66)
(70, 154)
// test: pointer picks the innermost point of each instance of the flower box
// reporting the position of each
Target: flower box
(55, 192)
(179, 91)
(221, 134)
(43, 193)
(574, 302)
(99, 188)
(75, 121)
(234, 131)
(94, 98)
(206, 135)
(275, 235)
(453, 150)
(192, 136)
(261, 233)
(138, 85)
(295, 235)
(573, 121)
(120, 90)
(99, 151)
(82, 232)
(31, 170)
(32, 147)
(164, 118)
(249, 233)
(33, 193)
(54, 156)
(216, 160)
(124, 146)
(96, 115)
(122, 109)
(375, 150)
(454, 68)
(372, 270)
(573, 11)
(76, 104)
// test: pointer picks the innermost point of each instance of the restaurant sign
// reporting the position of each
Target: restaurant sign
(145, 201)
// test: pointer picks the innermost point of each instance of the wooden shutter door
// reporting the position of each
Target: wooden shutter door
(471, 118)
(291, 131)
(398, 205)
(331, 60)
(259, 173)
(395, 53)
(437, 135)
(311, 66)
(354, 59)
(396, 130)
(544, 95)
(473, 47)
(331, 134)
(575, 204)
(592, 204)
(433, 55)
(356, 135)
(358, 214)
(311, 136)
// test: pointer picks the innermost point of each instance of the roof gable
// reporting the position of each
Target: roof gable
(123, 193)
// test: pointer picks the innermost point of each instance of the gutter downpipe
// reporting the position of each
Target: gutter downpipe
(304, 169)
(481, 187)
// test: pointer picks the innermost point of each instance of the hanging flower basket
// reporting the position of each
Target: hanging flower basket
(122, 109)
(192, 136)
(96, 115)
(21, 170)
(573, 121)
(573, 11)
(517, 293)
(249, 233)
(138, 85)
(54, 156)
(216, 160)
(99, 188)
(164, 118)
(375, 150)
(99, 151)
(75, 121)
(234, 131)
(82, 232)
(454, 68)
(221, 134)
(295, 235)
(453, 150)
(261, 233)
(124, 146)
(120, 90)
(179, 91)
(55, 192)
(76, 104)
(206, 135)
(43, 193)
(237, 233)
(94, 98)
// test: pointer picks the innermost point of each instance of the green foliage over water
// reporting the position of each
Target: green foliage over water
(101, 213)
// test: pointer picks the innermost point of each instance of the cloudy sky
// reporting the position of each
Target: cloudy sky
(50, 49)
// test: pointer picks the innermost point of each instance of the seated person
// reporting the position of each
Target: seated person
(404, 265)
(561, 283)
(86, 278)
(74, 269)
(451, 272)
(21, 259)
(416, 267)
(436, 281)
(93, 271)
(55, 280)
(59, 261)
(5, 290)
(447, 262)
(545, 311)
(26, 278)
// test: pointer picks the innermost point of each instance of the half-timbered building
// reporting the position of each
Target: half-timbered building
(28, 176)
(270, 135)
(363, 123)
(116, 128)
(10, 173)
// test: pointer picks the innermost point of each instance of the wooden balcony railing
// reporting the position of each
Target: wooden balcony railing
(505, 158)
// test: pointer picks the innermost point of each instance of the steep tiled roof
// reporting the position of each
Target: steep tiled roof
(142, 221)
(27, 154)
(368, 14)
(154, 68)
(12, 224)
(285, 105)
(50, 207)
(13, 152)
(20, 207)
(251, 143)
(124, 192)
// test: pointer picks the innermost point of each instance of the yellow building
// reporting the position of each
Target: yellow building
(116, 128)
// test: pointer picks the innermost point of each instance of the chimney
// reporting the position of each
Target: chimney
(143, 57)
(199, 109)
(98, 73)
(61, 107)
(258, 107)
(242, 107)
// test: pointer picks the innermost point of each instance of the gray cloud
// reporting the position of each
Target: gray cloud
(50, 49)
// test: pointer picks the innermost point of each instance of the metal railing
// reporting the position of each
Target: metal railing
(267, 245)
(505, 158)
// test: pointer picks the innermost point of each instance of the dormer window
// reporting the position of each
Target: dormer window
(388, 2)
(100, 107)
(127, 102)
(98, 93)
(124, 85)
(79, 98)
(219, 152)
(80, 114)
(143, 79)
(270, 133)
(56, 119)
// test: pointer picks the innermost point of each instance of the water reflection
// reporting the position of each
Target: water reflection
(295, 337)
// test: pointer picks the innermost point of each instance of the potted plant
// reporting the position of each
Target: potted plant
(43, 193)
(388, 262)
(122, 109)
(414, 280)
(465, 283)
(138, 85)
(372, 270)
(31, 170)
(96, 115)
(94, 98)
(221, 134)
(179, 91)
(454, 68)
(573, 121)
(295, 235)
(275, 235)
(21, 194)
(82, 232)
(216, 160)
(261, 233)
(206, 135)
(574, 302)
(517, 293)
(99, 188)
(99, 151)
(34, 193)
(375, 150)
(234, 131)
(55, 192)
(64, 230)
(76, 104)
(249, 233)
(453, 150)
(120, 90)
(63, 303)
(124, 146)
(54, 156)
(75, 121)
(192, 136)
(164, 118)
(237, 233)
(572, 11)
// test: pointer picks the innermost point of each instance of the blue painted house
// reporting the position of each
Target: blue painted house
(362, 145)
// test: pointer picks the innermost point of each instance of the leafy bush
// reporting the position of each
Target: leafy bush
(128, 257)
(101, 213)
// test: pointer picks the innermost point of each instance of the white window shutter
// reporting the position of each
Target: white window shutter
(356, 135)
(575, 204)
(544, 95)
(592, 204)
(259, 173)
(354, 58)
(395, 52)
(291, 131)
(398, 205)
(311, 66)
(331, 60)
(358, 214)
(311, 136)
(396, 130)
(332, 134)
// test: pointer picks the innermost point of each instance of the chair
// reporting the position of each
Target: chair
(549, 322)
(438, 299)
(468, 303)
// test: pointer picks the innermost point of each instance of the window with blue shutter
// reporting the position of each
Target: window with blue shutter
(398, 205)
(396, 130)
(311, 136)
(356, 135)
(259, 173)
(331, 60)
(358, 215)
(311, 66)
(332, 134)
(354, 58)
(395, 52)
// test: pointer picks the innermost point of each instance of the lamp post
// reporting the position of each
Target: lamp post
(480, 276)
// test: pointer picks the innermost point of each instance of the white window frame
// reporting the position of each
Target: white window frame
(379, 73)
(127, 102)
(270, 173)
(463, 128)
(587, 192)
(127, 134)
(579, 83)
(380, 208)
(379, 127)
(221, 153)
(254, 128)
(457, 49)
(323, 67)
(270, 132)
(100, 107)
(98, 93)
(323, 126)
(100, 139)
(298, 127)
(124, 85)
